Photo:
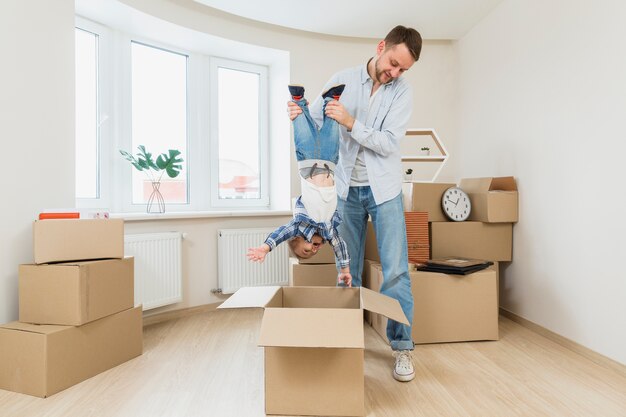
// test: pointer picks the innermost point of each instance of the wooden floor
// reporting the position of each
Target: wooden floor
(208, 364)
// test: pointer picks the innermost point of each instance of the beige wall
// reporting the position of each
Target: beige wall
(543, 97)
(36, 127)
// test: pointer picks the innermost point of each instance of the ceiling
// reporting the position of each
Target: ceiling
(434, 19)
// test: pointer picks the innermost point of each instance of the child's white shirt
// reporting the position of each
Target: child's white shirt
(320, 202)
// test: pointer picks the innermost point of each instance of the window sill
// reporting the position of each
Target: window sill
(131, 217)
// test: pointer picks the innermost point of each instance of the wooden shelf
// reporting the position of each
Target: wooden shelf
(441, 158)
(429, 158)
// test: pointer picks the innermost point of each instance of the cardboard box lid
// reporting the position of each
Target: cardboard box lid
(247, 297)
(382, 304)
(312, 327)
(477, 185)
(271, 296)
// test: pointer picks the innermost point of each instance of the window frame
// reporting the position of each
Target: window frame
(263, 201)
(105, 115)
(115, 125)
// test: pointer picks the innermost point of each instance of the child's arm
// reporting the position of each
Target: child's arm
(275, 238)
(344, 277)
(341, 253)
(258, 254)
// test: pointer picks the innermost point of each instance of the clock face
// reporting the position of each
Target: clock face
(456, 204)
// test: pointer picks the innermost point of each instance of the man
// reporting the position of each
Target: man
(373, 112)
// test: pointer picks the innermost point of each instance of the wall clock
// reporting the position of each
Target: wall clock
(456, 204)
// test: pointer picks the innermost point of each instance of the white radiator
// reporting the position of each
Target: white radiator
(234, 269)
(158, 267)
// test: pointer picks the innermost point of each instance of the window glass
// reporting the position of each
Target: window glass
(238, 134)
(159, 118)
(87, 159)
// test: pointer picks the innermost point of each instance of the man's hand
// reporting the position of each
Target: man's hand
(293, 110)
(258, 254)
(345, 277)
(336, 110)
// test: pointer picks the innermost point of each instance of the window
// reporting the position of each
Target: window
(147, 92)
(159, 117)
(240, 133)
(87, 137)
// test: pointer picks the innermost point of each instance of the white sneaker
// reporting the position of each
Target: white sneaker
(403, 370)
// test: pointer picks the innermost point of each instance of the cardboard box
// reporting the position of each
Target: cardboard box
(41, 360)
(426, 196)
(314, 346)
(75, 293)
(494, 199)
(418, 242)
(475, 240)
(448, 308)
(325, 255)
(371, 247)
(77, 239)
(365, 282)
(311, 275)
(417, 237)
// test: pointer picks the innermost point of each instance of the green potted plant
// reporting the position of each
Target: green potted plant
(425, 150)
(408, 174)
(169, 163)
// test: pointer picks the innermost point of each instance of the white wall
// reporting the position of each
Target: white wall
(36, 127)
(314, 58)
(543, 97)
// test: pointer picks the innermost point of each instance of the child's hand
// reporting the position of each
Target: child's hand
(345, 278)
(258, 254)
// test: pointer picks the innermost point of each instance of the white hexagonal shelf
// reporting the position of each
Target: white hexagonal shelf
(413, 154)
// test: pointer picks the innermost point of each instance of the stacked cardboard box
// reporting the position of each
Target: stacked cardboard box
(450, 307)
(317, 271)
(76, 308)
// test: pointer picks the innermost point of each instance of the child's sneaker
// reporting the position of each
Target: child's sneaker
(334, 92)
(403, 370)
(296, 91)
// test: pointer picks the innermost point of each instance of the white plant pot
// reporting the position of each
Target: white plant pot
(424, 152)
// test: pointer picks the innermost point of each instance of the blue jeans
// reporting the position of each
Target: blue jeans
(388, 220)
(311, 143)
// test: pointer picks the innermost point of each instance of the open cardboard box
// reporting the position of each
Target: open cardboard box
(314, 346)
(494, 199)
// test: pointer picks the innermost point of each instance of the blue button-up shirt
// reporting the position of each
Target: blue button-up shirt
(378, 129)
(305, 226)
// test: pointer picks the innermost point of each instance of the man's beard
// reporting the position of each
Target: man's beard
(380, 73)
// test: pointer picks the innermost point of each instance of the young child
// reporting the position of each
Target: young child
(315, 219)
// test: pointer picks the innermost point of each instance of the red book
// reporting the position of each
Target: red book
(73, 215)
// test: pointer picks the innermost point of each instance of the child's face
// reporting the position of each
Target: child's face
(306, 249)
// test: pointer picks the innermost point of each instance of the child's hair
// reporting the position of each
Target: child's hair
(293, 245)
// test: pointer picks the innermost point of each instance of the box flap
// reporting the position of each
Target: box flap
(483, 185)
(34, 328)
(475, 185)
(381, 304)
(251, 297)
(312, 327)
(503, 184)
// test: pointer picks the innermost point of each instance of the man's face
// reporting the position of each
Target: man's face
(306, 249)
(392, 62)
